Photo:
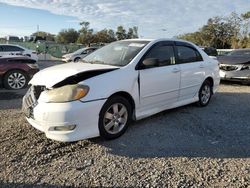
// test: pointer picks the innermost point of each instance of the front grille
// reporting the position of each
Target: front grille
(29, 99)
(228, 67)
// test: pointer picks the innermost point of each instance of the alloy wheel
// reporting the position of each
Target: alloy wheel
(205, 94)
(16, 80)
(115, 118)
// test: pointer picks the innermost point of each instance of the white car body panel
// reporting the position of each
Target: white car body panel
(52, 75)
(60, 114)
(152, 90)
(164, 85)
(192, 76)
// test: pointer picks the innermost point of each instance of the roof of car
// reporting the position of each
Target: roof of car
(10, 45)
(158, 40)
(14, 57)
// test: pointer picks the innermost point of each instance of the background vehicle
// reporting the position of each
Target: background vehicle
(16, 71)
(235, 65)
(130, 79)
(11, 49)
(210, 51)
(78, 55)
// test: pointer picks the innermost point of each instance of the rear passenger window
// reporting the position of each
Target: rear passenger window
(11, 48)
(164, 54)
(188, 54)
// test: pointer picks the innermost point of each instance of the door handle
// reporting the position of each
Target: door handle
(201, 66)
(175, 70)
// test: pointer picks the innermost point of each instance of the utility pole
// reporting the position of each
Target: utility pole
(37, 28)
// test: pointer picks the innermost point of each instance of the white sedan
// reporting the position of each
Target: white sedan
(123, 81)
(12, 49)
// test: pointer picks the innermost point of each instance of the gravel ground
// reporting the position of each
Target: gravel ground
(183, 147)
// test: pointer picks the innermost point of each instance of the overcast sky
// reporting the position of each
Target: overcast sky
(155, 18)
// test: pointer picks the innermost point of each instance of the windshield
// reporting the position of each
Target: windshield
(118, 53)
(79, 51)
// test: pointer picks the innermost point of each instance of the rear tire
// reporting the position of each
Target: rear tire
(205, 94)
(15, 79)
(114, 117)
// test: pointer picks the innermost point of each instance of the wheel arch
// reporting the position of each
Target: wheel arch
(127, 96)
(211, 80)
(15, 69)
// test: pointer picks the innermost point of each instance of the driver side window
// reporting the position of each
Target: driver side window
(164, 54)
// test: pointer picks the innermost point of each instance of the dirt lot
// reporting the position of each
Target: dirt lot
(183, 147)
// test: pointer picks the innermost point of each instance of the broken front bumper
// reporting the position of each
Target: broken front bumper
(66, 122)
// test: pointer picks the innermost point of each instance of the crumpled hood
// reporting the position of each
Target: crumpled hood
(233, 60)
(50, 76)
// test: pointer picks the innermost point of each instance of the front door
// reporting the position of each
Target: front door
(159, 83)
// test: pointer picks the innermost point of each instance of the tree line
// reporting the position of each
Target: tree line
(86, 35)
(223, 32)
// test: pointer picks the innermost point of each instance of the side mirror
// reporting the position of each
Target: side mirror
(150, 62)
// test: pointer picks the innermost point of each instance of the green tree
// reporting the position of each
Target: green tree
(85, 28)
(67, 36)
(104, 36)
(120, 33)
(86, 34)
(135, 32)
(130, 33)
(246, 15)
(219, 32)
(111, 35)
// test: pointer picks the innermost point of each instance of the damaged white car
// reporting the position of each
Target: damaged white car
(123, 81)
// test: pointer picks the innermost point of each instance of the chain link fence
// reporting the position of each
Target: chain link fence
(51, 48)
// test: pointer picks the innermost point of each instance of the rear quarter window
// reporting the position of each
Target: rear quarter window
(187, 54)
(12, 49)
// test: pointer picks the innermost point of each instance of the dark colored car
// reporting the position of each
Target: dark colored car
(210, 51)
(235, 65)
(16, 71)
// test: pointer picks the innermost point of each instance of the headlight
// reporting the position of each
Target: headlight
(245, 67)
(65, 93)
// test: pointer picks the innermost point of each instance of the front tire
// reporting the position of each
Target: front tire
(77, 59)
(15, 79)
(114, 117)
(205, 94)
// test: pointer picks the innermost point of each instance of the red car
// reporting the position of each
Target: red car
(15, 71)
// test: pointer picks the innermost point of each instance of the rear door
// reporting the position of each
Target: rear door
(13, 50)
(159, 85)
(192, 70)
